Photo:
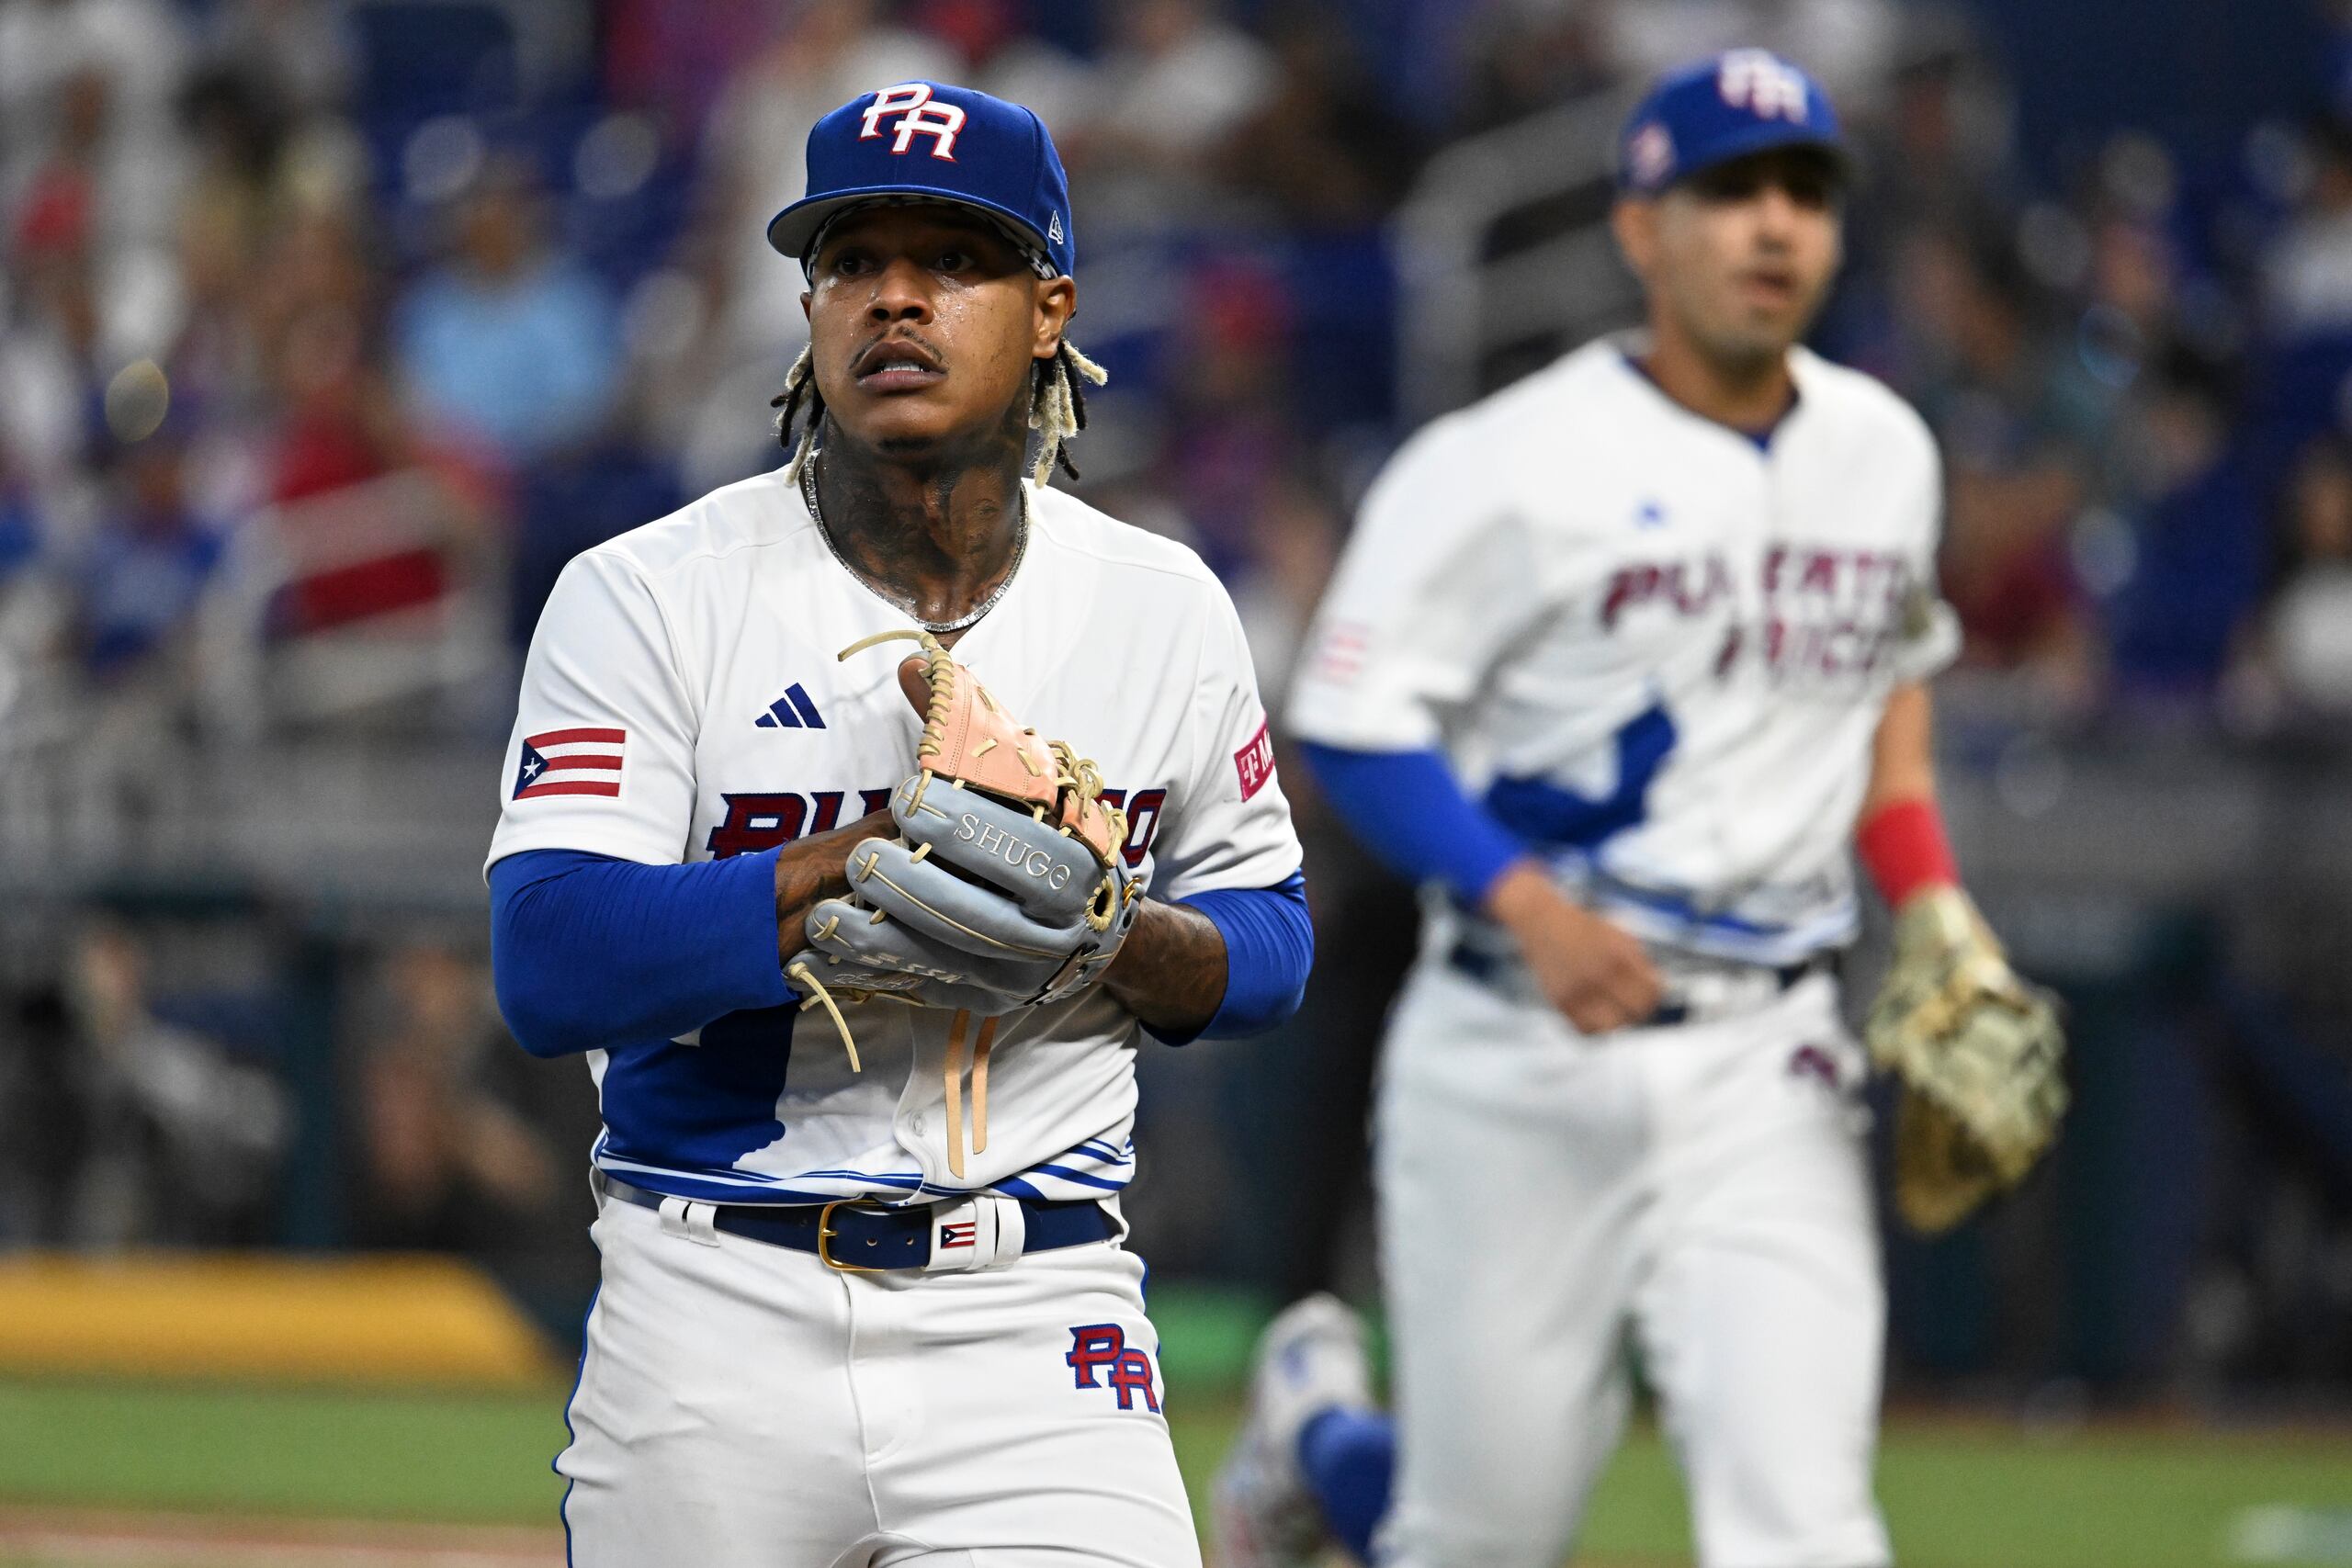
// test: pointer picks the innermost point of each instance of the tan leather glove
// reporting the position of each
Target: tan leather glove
(1980, 1057)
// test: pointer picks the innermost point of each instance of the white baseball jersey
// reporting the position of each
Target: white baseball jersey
(1656, 648)
(682, 701)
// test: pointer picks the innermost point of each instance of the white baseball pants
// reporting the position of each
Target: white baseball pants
(741, 1406)
(1697, 1196)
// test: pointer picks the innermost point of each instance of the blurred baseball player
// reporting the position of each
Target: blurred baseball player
(869, 1305)
(1619, 664)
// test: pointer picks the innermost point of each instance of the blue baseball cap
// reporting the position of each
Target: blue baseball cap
(930, 141)
(1739, 102)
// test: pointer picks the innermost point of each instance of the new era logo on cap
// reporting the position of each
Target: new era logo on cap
(933, 142)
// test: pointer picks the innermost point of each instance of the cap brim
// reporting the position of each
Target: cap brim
(792, 229)
(1766, 138)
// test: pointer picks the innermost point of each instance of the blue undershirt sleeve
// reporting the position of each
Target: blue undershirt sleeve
(1408, 810)
(589, 952)
(1269, 948)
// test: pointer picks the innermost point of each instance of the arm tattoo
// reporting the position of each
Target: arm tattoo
(1171, 972)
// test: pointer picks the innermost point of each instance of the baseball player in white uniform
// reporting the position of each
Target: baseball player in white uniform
(870, 1307)
(1621, 663)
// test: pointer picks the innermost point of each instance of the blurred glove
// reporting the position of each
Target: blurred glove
(1979, 1056)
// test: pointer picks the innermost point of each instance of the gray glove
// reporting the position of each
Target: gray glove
(977, 905)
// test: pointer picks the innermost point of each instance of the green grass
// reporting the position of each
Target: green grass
(1989, 1498)
(449, 1458)
(2096, 1499)
(1958, 1497)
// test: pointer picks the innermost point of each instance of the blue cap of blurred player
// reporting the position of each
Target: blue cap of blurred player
(930, 141)
(1733, 103)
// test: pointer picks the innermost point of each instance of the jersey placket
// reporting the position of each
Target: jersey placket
(1743, 549)
(942, 1116)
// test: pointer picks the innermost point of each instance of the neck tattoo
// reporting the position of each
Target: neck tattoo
(883, 590)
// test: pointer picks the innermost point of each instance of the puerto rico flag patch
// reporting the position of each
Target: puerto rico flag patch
(1255, 762)
(569, 762)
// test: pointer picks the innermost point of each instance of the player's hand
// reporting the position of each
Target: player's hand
(809, 870)
(1598, 976)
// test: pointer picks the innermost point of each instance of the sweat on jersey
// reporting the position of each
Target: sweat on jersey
(1654, 648)
(682, 701)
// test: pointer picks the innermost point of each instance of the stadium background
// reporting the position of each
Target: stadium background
(330, 330)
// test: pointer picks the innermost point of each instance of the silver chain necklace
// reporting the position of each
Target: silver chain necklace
(1019, 549)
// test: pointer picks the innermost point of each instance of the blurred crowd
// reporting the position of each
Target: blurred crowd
(330, 330)
(198, 1084)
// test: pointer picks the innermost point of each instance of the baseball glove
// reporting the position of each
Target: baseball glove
(1981, 1059)
(1006, 886)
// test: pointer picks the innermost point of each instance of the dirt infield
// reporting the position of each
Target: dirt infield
(75, 1538)
(66, 1539)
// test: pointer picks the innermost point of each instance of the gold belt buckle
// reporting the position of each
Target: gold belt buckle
(825, 1234)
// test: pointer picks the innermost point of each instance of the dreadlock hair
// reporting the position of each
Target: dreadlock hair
(1057, 411)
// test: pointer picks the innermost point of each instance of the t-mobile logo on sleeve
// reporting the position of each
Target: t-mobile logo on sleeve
(1255, 760)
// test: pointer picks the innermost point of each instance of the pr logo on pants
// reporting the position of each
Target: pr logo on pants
(1812, 1061)
(1102, 1348)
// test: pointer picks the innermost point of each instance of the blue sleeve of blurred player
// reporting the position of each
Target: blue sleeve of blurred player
(590, 952)
(1269, 948)
(1407, 808)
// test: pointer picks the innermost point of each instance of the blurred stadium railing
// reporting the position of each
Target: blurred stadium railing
(1504, 256)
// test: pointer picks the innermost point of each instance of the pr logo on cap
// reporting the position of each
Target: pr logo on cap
(1761, 83)
(917, 116)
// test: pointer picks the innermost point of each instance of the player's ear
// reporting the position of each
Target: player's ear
(804, 298)
(1057, 303)
(1635, 223)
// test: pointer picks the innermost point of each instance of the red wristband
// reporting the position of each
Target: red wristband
(1904, 848)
